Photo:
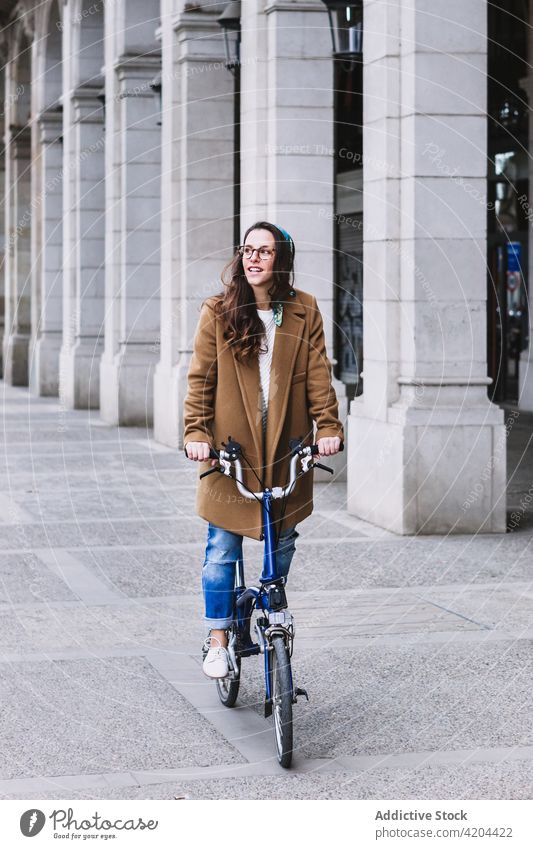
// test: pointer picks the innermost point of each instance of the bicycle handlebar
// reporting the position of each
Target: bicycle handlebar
(214, 455)
(231, 454)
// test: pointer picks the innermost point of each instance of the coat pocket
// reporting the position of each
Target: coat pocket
(296, 378)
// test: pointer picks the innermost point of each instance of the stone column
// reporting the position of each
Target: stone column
(2, 210)
(287, 143)
(197, 196)
(525, 367)
(427, 448)
(83, 249)
(47, 328)
(126, 370)
(18, 255)
(255, 112)
(287, 131)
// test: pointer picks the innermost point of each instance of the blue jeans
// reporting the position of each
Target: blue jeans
(223, 550)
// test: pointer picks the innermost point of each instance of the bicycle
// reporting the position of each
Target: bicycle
(274, 627)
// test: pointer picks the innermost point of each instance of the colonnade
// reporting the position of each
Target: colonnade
(119, 214)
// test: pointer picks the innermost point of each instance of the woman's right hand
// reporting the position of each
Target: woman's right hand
(199, 451)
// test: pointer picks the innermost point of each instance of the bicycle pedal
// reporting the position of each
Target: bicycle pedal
(300, 692)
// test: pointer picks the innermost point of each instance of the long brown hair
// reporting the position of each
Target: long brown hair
(236, 305)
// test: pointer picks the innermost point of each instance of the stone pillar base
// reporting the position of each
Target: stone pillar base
(44, 364)
(79, 377)
(1, 350)
(338, 462)
(525, 381)
(127, 393)
(429, 471)
(16, 353)
(170, 389)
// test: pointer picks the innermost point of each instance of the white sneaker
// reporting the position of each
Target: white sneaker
(215, 664)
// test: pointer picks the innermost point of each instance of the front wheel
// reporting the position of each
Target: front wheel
(282, 700)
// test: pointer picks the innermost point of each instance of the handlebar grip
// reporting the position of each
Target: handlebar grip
(314, 448)
(213, 455)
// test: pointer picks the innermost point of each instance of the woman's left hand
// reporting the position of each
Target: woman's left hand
(328, 445)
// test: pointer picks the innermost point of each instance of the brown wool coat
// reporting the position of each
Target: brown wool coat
(224, 399)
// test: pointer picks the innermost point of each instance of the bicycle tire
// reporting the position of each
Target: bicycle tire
(228, 688)
(282, 700)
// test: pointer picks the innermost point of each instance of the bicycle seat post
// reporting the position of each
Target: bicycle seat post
(239, 575)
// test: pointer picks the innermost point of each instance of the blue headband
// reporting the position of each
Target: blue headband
(287, 236)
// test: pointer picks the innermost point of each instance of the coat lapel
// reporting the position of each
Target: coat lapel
(287, 341)
(249, 383)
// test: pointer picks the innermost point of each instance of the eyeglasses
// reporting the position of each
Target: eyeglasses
(263, 252)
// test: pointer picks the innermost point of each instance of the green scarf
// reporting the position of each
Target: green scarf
(277, 309)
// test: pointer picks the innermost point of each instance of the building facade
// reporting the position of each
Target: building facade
(126, 132)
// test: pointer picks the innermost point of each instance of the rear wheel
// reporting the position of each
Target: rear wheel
(228, 688)
(282, 700)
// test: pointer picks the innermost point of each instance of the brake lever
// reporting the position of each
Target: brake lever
(307, 463)
(225, 467)
(326, 468)
(210, 471)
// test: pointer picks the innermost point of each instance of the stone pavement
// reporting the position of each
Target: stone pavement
(415, 651)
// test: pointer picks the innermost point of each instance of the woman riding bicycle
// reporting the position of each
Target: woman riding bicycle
(260, 373)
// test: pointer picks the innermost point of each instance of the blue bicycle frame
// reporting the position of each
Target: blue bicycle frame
(248, 599)
(270, 597)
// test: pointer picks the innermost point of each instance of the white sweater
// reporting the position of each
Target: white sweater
(265, 359)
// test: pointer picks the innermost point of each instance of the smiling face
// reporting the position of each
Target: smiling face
(259, 270)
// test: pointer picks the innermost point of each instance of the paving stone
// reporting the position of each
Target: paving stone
(141, 625)
(500, 607)
(86, 716)
(513, 780)
(35, 432)
(180, 477)
(421, 673)
(153, 531)
(17, 484)
(336, 615)
(379, 699)
(330, 495)
(99, 504)
(152, 572)
(24, 579)
(70, 450)
(409, 562)
(41, 464)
